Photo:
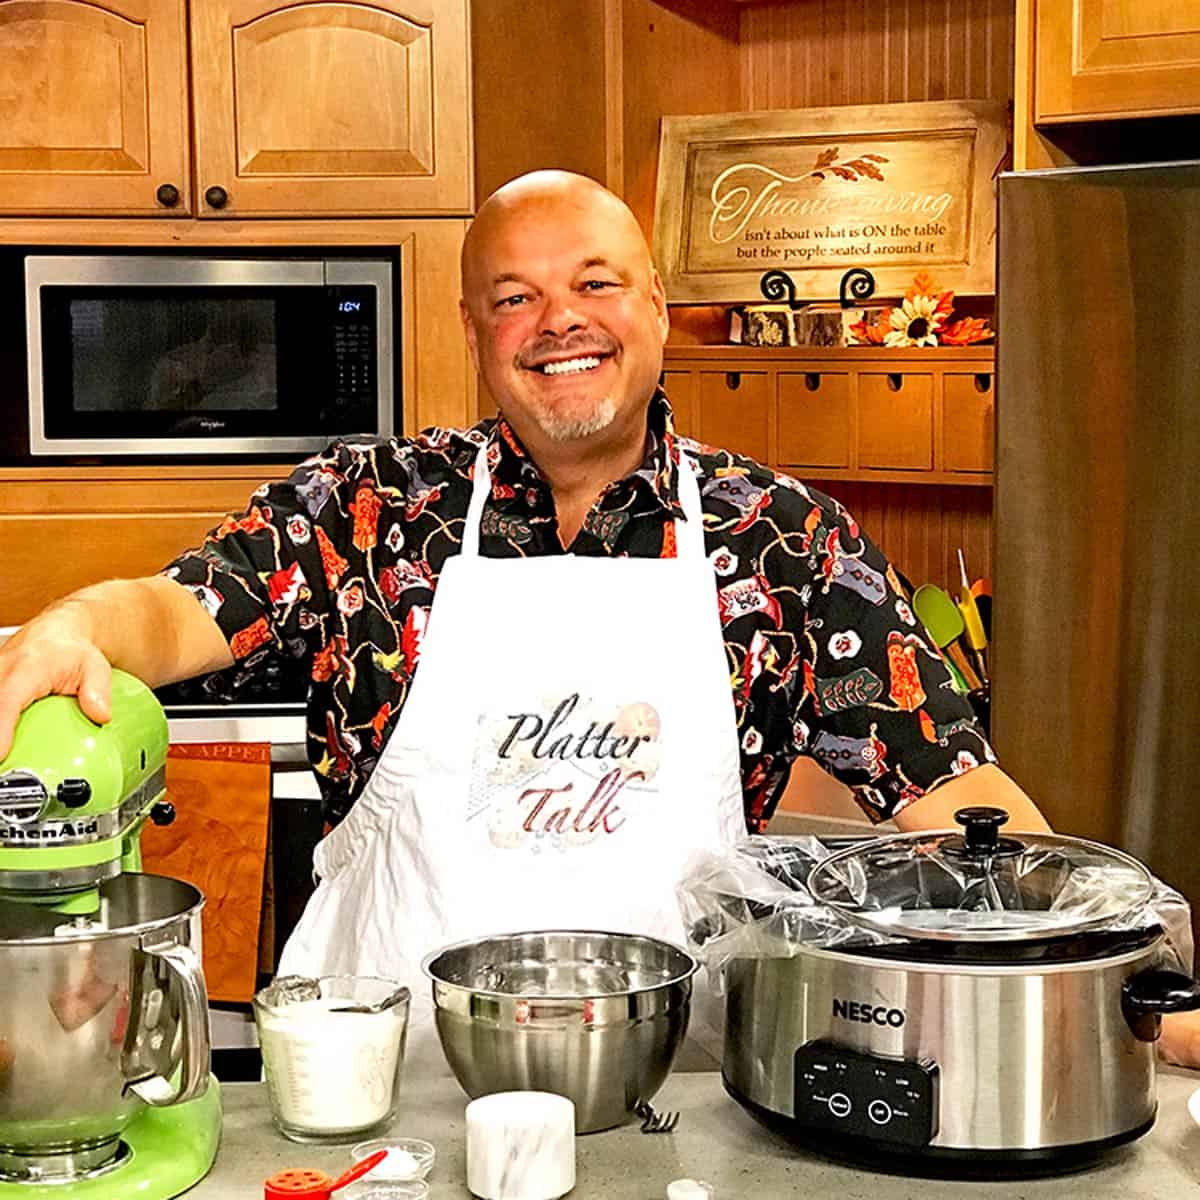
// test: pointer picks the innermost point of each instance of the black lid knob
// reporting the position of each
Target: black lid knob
(74, 793)
(981, 830)
(167, 195)
(216, 197)
(163, 813)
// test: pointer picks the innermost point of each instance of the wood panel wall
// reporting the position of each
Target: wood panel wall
(542, 89)
(606, 72)
(680, 58)
(825, 52)
(921, 526)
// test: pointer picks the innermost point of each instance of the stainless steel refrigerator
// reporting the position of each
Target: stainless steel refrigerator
(1096, 655)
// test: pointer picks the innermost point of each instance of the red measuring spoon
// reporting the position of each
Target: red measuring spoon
(304, 1184)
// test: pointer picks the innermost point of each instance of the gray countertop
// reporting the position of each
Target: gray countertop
(716, 1140)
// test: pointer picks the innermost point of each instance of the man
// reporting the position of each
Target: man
(581, 589)
(566, 317)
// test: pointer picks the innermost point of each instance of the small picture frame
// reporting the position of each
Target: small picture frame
(768, 325)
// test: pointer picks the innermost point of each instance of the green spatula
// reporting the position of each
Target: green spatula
(943, 621)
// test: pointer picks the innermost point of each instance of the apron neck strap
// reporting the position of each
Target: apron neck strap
(481, 488)
(689, 534)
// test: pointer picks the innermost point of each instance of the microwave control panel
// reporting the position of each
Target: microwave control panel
(353, 328)
(864, 1095)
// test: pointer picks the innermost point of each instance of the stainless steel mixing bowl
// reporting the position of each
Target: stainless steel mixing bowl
(97, 1021)
(596, 1017)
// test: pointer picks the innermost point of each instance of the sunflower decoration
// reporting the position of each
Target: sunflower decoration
(921, 319)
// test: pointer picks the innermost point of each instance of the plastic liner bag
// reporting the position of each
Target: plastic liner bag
(750, 901)
(753, 901)
(1165, 907)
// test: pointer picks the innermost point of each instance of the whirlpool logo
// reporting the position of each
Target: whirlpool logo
(868, 1014)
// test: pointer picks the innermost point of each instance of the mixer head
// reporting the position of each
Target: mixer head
(74, 794)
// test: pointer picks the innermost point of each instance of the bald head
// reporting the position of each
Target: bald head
(558, 196)
(564, 315)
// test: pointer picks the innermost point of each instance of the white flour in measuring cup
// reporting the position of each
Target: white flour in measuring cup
(330, 1073)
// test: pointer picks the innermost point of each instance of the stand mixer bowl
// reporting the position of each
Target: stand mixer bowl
(98, 1019)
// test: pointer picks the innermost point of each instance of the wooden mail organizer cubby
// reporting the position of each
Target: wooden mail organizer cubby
(860, 413)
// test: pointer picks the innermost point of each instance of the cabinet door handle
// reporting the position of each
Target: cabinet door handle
(216, 197)
(983, 383)
(812, 380)
(733, 380)
(167, 195)
(895, 380)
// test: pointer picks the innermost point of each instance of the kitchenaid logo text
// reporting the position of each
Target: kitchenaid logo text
(47, 833)
(868, 1014)
(549, 737)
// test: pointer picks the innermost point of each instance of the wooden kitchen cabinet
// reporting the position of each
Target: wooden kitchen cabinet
(93, 107)
(895, 420)
(105, 523)
(332, 109)
(816, 418)
(65, 526)
(297, 109)
(1101, 59)
(861, 413)
(968, 422)
(735, 411)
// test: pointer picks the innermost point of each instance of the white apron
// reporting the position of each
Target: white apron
(568, 742)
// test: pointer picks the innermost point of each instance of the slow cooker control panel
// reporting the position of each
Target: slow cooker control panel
(850, 1092)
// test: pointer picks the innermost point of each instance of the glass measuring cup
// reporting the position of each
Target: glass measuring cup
(332, 1050)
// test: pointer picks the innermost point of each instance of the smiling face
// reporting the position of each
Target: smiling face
(564, 312)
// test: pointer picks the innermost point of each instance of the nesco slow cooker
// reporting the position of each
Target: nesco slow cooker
(963, 1001)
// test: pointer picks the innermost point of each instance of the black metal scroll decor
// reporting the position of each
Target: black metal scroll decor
(857, 285)
(778, 285)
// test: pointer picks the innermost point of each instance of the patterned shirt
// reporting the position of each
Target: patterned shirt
(338, 566)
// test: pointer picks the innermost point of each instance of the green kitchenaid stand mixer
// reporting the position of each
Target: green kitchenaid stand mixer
(105, 1088)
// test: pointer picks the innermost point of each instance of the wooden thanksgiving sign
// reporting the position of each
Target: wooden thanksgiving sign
(895, 188)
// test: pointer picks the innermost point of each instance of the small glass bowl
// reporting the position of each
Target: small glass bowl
(390, 1170)
(387, 1189)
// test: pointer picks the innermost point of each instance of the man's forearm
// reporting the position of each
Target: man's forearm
(153, 628)
(985, 785)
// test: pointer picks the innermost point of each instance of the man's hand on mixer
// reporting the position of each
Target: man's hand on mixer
(153, 628)
(53, 654)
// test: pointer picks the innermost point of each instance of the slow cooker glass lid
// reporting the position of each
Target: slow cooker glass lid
(975, 885)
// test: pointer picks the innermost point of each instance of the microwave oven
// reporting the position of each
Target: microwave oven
(166, 354)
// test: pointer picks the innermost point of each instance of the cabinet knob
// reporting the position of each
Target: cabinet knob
(167, 195)
(216, 197)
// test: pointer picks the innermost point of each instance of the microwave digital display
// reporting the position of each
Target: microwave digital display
(148, 355)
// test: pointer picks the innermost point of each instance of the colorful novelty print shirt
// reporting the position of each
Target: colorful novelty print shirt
(338, 565)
